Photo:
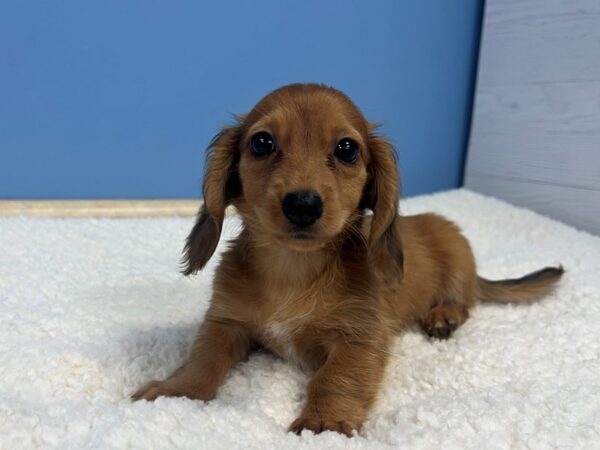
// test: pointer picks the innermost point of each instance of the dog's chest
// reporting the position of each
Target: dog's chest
(279, 336)
(290, 330)
(291, 317)
(300, 343)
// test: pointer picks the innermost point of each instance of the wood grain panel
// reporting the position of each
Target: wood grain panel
(534, 43)
(557, 108)
(535, 135)
(513, 10)
(583, 210)
(546, 158)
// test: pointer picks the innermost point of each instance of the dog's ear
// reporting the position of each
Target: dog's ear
(381, 195)
(221, 186)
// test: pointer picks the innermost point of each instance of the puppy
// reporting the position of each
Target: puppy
(312, 276)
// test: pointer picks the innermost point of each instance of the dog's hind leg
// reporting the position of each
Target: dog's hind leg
(451, 307)
(444, 318)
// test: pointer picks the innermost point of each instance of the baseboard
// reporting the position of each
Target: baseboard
(99, 208)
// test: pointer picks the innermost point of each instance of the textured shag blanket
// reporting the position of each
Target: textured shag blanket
(92, 308)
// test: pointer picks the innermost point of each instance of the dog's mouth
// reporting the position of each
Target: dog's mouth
(303, 240)
(302, 235)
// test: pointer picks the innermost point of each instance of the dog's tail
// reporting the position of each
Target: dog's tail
(517, 290)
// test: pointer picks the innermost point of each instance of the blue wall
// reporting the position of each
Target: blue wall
(119, 98)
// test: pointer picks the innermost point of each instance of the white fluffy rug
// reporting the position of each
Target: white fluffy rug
(91, 308)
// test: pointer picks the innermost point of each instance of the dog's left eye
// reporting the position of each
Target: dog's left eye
(346, 150)
(262, 144)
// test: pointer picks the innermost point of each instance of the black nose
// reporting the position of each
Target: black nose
(302, 208)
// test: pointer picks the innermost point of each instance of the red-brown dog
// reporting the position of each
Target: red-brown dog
(311, 276)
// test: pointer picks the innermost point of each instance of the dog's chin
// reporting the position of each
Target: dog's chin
(302, 241)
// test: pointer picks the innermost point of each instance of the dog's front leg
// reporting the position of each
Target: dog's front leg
(344, 389)
(218, 346)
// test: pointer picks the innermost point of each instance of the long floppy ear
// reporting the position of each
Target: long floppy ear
(221, 186)
(381, 195)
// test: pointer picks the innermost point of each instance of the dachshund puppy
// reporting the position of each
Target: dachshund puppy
(313, 276)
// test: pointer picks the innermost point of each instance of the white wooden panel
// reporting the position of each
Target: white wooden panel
(529, 131)
(535, 136)
(511, 10)
(557, 108)
(549, 159)
(535, 44)
(583, 210)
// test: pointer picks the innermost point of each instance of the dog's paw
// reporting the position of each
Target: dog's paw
(443, 320)
(154, 389)
(318, 425)
(440, 329)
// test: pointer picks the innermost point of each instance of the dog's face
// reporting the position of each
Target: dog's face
(300, 168)
(303, 167)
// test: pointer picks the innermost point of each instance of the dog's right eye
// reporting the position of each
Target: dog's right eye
(347, 151)
(262, 144)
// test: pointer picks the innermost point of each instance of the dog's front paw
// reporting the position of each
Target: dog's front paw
(318, 425)
(153, 389)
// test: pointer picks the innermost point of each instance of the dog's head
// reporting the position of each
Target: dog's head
(301, 167)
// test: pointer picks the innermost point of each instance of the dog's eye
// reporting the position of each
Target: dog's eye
(346, 150)
(262, 144)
